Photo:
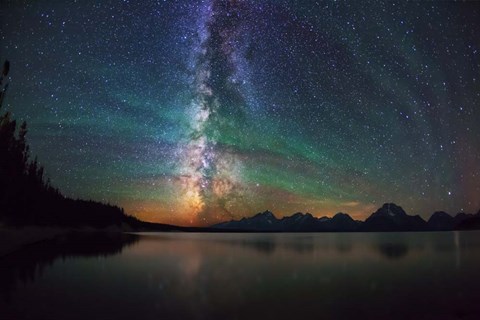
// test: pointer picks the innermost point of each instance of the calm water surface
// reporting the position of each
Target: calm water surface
(245, 276)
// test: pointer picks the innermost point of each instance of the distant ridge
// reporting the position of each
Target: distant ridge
(389, 217)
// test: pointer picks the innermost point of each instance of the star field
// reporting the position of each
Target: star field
(195, 112)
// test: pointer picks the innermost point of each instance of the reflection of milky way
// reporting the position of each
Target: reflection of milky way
(210, 174)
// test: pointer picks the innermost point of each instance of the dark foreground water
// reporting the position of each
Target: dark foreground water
(245, 276)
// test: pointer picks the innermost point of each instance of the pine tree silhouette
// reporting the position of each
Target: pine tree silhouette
(25, 196)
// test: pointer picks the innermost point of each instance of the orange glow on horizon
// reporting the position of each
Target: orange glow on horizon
(189, 207)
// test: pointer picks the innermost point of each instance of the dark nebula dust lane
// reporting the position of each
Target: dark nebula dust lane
(195, 112)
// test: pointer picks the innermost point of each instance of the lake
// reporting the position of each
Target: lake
(431, 275)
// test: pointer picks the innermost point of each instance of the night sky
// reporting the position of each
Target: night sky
(194, 112)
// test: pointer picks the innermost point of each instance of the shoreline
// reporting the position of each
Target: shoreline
(13, 239)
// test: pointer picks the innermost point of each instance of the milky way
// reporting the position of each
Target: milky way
(209, 174)
(194, 112)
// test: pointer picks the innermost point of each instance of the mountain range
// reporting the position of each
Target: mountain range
(389, 217)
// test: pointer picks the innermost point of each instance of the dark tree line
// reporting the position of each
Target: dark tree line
(26, 197)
